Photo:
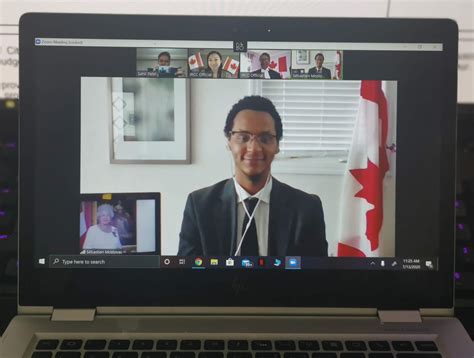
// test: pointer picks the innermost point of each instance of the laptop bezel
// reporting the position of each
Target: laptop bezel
(186, 288)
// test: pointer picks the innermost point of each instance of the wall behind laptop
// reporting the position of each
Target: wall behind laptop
(211, 162)
(459, 10)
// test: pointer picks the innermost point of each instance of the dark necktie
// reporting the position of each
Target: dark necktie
(250, 244)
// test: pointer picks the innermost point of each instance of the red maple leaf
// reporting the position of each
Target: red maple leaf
(233, 66)
(192, 61)
(272, 64)
(371, 179)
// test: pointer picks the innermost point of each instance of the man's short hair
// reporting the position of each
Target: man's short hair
(319, 54)
(165, 53)
(264, 54)
(254, 103)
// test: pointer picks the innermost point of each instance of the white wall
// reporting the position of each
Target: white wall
(459, 10)
(211, 162)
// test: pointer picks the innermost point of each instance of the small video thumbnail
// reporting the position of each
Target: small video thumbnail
(118, 224)
(317, 65)
(213, 63)
(265, 64)
(162, 62)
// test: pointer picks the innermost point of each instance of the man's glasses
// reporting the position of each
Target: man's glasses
(243, 137)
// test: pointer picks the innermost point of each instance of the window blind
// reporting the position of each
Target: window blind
(318, 116)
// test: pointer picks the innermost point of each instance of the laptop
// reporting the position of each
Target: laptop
(290, 194)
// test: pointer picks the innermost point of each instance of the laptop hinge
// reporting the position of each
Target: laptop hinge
(83, 315)
(399, 316)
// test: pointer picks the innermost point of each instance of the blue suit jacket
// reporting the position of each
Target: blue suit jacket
(209, 227)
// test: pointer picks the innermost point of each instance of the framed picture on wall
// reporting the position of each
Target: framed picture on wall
(150, 121)
(302, 57)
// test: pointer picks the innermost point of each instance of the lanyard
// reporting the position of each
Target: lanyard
(246, 211)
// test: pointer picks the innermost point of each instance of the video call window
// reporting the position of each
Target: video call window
(317, 64)
(315, 122)
(213, 63)
(161, 62)
(266, 64)
(118, 224)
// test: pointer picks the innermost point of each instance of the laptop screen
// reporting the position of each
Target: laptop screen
(245, 153)
(307, 131)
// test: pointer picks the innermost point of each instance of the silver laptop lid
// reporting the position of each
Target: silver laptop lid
(143, 140)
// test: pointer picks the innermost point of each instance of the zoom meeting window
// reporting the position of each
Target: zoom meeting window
(278, 156)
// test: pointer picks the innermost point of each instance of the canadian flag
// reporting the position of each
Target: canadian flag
(338, 65)
(281, 66)
(84, 221)
(362, 194)
(195, 61)
(231, 65)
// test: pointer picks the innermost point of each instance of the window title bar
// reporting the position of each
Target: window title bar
(251, 45)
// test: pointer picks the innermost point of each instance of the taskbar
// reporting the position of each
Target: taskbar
(146, 261)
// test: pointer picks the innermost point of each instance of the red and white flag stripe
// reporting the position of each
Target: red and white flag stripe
(231, 65)
(362, 195)
(195, 61)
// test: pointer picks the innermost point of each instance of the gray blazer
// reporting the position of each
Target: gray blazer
(209, 227)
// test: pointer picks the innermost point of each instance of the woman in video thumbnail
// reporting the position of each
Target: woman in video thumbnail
(214, 65)
(103, 235)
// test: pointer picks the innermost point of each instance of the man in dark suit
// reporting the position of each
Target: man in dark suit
(265, 70)
(253, 214)
(319, 71)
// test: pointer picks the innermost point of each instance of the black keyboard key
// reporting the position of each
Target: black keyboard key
(324, 355)
(190, 345)
(167, 344)
(332, 346)
(42, 355)
(153, 355)
(239, 345)
(381, 355)
(426, 346)
(211, 355)
(47, 344)
(214, 345)
(95, 344)
(125, 355)
(267, 355)
(418, 355)
(403, 346)
(182, 355)
(119, 344)
(352, 355)
(296, 355)
(71, 344)
(96, 355)
(379, 346)
(261, 345)
(285, 345)
(239, 355)
(68, 355)
(142, 344)
(308, 345)
(356, 346)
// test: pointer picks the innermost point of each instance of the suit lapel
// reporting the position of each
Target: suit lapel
(280, 221)
(225, 215)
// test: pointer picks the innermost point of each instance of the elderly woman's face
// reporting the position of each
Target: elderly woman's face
(104, 219)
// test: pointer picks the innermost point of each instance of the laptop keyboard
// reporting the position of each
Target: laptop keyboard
(193, 348)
